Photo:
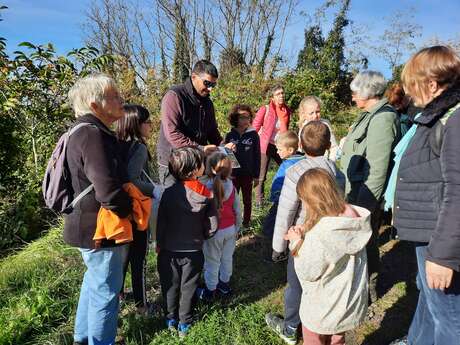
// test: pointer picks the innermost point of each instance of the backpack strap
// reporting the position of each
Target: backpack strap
(88, 189)
(437, 133)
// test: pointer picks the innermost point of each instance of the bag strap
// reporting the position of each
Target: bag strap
(88, 189)
(436, 136)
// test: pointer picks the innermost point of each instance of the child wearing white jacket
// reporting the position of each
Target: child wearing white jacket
(330, 260)
(218, 250)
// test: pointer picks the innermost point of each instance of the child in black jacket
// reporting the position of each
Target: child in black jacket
(247, 152)
(186, 217)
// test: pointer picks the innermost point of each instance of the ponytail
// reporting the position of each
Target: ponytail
(218, 168)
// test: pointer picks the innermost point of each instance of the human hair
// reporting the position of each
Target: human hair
(235, 113)
(310, 100)
(184, 161)
(307, 101)
(320, 196)
(205, 67)
(397, 97)
(315, 138)
(87, 90)
(288, 139)
(368, 84)
(438, 63)
(129, 126)
(275, 88)
(218, 168)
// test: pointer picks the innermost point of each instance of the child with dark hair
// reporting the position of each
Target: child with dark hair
(186, 217)
(218, 251)
(133, 130)
(247, 153)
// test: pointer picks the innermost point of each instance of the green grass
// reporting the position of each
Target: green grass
(40, 285)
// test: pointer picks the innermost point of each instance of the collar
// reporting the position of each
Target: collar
(90, 118)
(198, 187)
(377, 106)
(440, 105)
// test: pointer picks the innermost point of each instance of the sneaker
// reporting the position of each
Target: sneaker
(401, 341)
(171, 324)
(204, 294)
(276, 323)
(224, 288)
(183, 329)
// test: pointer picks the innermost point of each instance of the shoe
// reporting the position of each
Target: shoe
(171, 324)
(224, 288)
(276, 323)
(183, 329)
(206, 295)
(401, 341)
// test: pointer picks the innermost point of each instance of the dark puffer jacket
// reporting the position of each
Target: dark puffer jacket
(427, 201)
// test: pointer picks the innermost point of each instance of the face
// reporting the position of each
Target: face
(360, 102)
(244, 120)
(146, 129)
(203, 83)
(278, 97)
(310, 112)
(112, 106)
(432, 90)
(284, 152)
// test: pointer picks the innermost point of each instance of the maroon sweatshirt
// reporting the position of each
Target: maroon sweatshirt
(186, 120)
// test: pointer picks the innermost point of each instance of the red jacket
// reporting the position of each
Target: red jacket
(265, 123)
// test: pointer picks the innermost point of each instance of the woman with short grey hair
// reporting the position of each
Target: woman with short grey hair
(366, 156)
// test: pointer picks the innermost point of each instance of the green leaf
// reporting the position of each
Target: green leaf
(27, 44)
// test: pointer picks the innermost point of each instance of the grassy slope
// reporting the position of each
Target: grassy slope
(40, 288)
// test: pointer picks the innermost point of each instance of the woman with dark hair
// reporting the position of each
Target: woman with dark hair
(428, 194)
(134, 129)
(270, 120)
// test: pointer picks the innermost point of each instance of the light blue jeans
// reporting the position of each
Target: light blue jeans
(97, 311)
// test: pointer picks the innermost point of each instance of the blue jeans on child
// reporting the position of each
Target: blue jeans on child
(97, 311)
(437, 317)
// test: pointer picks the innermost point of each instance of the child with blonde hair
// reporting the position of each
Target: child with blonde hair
(330, 260)
(218, 251)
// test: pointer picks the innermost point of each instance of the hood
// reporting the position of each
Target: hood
(198, 188)
(344, 235)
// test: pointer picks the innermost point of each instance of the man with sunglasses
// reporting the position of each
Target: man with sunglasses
(187, 117)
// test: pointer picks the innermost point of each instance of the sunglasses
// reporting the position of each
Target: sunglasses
(208, 84)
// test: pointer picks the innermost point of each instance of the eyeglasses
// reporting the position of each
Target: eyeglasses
(208, 84)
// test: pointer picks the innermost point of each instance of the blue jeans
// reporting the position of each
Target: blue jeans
(97, 311)
(437, 317)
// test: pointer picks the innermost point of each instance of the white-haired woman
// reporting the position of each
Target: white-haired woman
(310, 110)
(367, 155)
(92, 157)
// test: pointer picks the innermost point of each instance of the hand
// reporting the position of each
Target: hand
(255, 181)
(208, 149)
(437, 276)
(230, 146)
(294, 233)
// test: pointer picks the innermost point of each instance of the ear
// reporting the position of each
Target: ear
(95, 107)
(291, 150)
(433, 86)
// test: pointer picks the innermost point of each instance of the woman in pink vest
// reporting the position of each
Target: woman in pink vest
(218, 250)
(270, 120)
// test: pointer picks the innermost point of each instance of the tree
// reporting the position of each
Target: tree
(398, 38)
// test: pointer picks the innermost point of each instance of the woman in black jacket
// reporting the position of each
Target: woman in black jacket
(427, 195)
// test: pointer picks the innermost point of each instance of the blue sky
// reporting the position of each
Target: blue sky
(59, 22)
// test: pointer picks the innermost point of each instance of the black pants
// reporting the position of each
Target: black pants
(179, 277)
(137, 259)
